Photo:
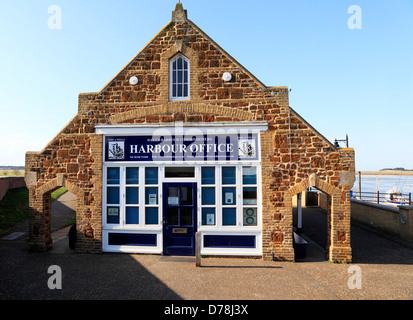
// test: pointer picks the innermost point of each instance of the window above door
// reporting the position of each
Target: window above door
(179, 70)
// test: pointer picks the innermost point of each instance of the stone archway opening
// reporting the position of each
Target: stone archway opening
(48, 216)
(336, 205)
(311, 211)
(58, 214)
(63, 215)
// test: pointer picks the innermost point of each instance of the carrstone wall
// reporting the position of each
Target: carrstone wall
(291, 150)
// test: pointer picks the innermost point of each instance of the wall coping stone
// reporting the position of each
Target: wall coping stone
(377, 205)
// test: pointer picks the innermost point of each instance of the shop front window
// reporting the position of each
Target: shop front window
(236, 202)
(132, 197)
(113, 196)
(249, 196)
(228, 195)
(151, 195)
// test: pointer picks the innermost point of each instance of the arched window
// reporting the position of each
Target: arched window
(179, 78)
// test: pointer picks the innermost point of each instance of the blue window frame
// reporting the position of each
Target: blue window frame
(208, 175)
(132, 195)
(112, 195)
(229, 216)
(151, 175)
(151, 215)
(113, 176)
(228, 175)
(132, 175)
(132, 215)
(208, 195)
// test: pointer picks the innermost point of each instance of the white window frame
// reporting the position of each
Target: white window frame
(238, 229)
(239, 204)
(217, 229)
(122, 227)
(171, 83)
(122, 196)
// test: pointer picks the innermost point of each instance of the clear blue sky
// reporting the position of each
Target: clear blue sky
(344, 81)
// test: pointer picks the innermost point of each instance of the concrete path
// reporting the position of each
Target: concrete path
(63, 210)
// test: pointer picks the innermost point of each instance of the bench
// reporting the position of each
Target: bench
(300, 246)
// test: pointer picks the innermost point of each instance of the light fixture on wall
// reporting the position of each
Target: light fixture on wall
(133, 80)
(227, 76)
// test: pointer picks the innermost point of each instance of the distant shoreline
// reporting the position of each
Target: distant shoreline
(386, 173)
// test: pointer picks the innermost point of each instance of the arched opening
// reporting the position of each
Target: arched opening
(63, 217)
(311, 210)
(337, 208)
(59, 214)
(48, 217)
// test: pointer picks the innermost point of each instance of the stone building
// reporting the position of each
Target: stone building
(184, 139)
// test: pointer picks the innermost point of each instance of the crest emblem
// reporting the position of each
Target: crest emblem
(116, 150)
(246, 148)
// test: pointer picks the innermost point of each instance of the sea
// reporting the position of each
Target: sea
(384, 183)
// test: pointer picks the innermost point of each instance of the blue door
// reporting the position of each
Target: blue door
(179, 218)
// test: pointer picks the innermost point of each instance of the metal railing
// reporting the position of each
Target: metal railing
(383, 197)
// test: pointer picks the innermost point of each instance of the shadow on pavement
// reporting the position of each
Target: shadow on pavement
(24, 276)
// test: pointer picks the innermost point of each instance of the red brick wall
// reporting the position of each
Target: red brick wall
(10, 183)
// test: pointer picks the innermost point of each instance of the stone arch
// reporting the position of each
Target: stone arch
(181, 107)
(61, 181)
(338, 228)
(313, 181)
(40, 238)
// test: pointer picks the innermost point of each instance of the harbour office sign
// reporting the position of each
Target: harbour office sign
(189, 147)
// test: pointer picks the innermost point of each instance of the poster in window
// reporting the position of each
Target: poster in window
(250, 216)
(113, 212)
(173, 200)
(210, 219)
(229, 198)
(152, 198)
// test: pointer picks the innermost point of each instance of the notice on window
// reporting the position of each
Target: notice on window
(173, 200)
(210, 219)
(152, 198)
(113, 211)
(229, 198)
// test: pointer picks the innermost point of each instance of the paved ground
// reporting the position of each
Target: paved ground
(386, 270)
(63, 210)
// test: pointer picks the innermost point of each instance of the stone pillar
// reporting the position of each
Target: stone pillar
(277, 218)
(340, 242)
(89, 214)
(39, 235)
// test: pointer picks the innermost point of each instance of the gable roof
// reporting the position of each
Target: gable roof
(179, 15)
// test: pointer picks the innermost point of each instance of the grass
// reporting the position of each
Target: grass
(57, 193)
(14, 208)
